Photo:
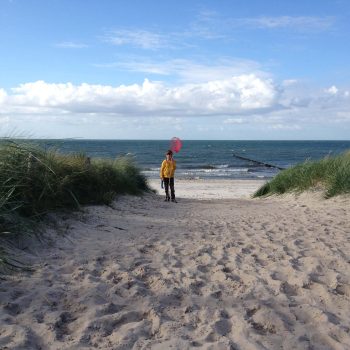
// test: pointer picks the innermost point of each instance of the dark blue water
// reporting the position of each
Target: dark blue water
(207, 159)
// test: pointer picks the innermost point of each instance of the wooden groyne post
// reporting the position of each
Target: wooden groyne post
(258, 162)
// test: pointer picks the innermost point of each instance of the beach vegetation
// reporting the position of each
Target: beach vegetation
(330, 174)
(35, 181)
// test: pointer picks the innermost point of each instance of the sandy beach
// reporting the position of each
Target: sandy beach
(211, 189)
(217, 270)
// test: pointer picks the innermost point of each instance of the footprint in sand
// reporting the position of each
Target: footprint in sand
(60, 327)
(289, 289)
(12, 309)
(196, 287)
(109, 309)
(217, 294)
(343, 289)
(203, 268)
(223, 327)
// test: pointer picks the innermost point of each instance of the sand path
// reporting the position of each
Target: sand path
(214, 274)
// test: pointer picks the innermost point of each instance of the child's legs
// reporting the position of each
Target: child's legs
(172, 188)
(166, 186)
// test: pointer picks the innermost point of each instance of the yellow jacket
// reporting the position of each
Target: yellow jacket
(167, 168)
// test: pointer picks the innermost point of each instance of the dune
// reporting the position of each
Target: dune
(217, 270)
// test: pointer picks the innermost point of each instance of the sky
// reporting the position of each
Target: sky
(154, 69)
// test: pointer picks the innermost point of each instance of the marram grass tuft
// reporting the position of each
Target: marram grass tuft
(332, 174)
(34, 181)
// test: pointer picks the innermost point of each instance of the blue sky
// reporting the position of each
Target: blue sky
(194, 69)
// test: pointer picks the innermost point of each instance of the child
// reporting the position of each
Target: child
(167, 171)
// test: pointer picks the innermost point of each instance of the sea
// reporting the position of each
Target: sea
(207, 159)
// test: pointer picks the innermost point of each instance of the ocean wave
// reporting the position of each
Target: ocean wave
(216, 170)
(206, 167)
(219, 171)
(203, 170)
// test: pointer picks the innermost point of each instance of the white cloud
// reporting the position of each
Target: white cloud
(242, 100)
(210, 25)
(71, 45)
(137, 38)
(3, 96)
(234, 121)
(332, 90)
(285, 127)
(189, 71)
(229, 96)
(213, 25)
(289, 82)
(301, 23)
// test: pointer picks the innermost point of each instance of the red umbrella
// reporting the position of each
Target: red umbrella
(175, 144)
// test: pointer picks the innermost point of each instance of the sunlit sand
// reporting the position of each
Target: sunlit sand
(206, 272)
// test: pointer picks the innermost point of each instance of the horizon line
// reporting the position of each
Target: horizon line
(182, 139)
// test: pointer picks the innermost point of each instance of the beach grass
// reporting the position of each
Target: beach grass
(35, 181)
(331, 174)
